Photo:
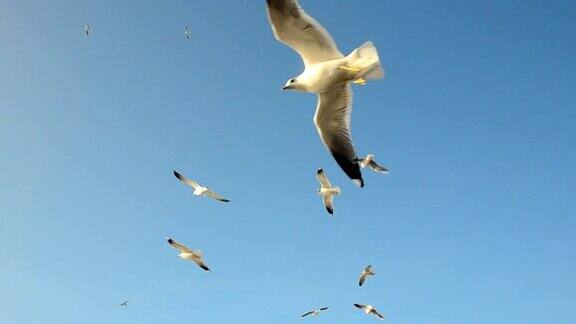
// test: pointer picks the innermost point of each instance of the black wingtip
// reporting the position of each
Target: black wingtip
(330, 211)
(169, 240)
(320, 170)
(205, 268)
(177, 175)
(224, 200)
(350, 167)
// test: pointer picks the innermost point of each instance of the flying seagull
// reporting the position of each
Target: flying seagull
(369, 309)
(314, 312)
(124, 303)
(327, 190)
(369, 161)
(187, 254)
(187, 32)
(87, 30)
(328, 73)
(198, 189)
(365, 274)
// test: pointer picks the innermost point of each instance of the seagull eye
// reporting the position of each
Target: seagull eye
(292, 81)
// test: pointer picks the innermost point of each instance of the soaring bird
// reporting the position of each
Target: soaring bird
(87, 30)
(187, 254)
(328, 73)
(198, 189)
(369, 309)
(124, 303)
(366, 272)
(369, 161)
(187, 32)
(315, 312)
(327, 191)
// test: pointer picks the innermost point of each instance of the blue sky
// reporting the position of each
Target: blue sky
(475, 118)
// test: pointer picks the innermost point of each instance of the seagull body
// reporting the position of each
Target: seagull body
(365, 274)
(124, 303)
(200, 190)
(327, 191)
(369, 309)
(327, 73)
(187, 32)
(187, 254)
(315, 312)
(369, 161)
(87, 30)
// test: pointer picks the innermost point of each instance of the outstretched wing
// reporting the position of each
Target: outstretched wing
(375, 312)
(332, 120)
(359, 306)
(294, 27)
(323, 179)
(362, 278)
(178, 246)
(201, 264)
(378, 168)
(328, 203)
(187, 181)
(310, 312)
(216, 196)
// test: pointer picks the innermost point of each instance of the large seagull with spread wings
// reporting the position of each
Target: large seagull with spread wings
(328, 73)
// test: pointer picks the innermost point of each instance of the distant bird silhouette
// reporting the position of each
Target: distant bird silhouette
(365, 273)
(369, 161)
(369, 309)
(124, 303)
(187, 254)
(315, 312)
(198, 189)
(187, 32)
(87, 30)
(327, 191)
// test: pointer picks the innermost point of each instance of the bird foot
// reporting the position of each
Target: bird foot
(360, 81)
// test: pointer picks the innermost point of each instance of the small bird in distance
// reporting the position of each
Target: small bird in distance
(187, 254)
(369, 309)
(124, 303)
(327, 191)
(187, 32)
(87, 30)
(369, 161)
(314, 312)
(198, 189)
(365, 274)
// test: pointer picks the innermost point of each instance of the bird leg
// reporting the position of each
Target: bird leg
(360, 81)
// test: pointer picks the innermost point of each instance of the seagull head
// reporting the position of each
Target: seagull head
(292, 84)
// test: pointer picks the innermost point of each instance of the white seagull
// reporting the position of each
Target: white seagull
(198, 189)
(187, 254)
(327, 191)
(365, 274)
(315, 312)
(369, 309)
(328, 73)
(369, 161)
(87, 30)
(124, 303)
(187, 32)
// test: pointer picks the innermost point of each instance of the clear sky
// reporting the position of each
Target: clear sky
(476, 119)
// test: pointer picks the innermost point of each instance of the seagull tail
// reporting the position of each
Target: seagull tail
(366, 59)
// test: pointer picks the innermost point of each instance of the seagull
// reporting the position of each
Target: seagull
(124, 303)
(327, 190)
(369, 309)
(369, 161)
(315, 312)
(187, 254)
(328, 73)
(87, 30)
(198, 189)
(365, 274)
(187, 32)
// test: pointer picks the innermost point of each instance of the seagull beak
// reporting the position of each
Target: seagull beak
(285, 87)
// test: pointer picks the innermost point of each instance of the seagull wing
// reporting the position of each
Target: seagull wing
(294, 27)
(362, 278)
(310, 312)
(187, 181)
(328, 203)
(201, 264)
(324, 308)
(216, 196)
(178, 246)
(378, 168)
(375, 312)
(332, 120)
(321, 176)
(359, 306)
